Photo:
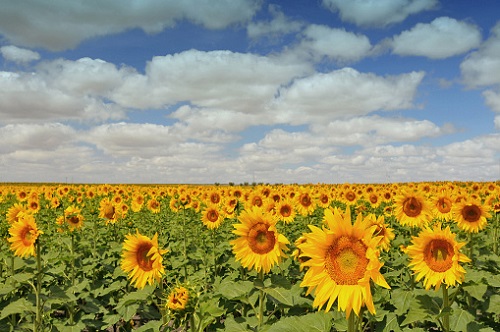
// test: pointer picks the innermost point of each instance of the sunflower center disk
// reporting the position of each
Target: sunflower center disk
(213, 216)
(346, 261)
(109, 212)
(412, 207)
(438, 255)
(471, 213)
(286, 211)
(444, 205)
(143, 260)
(260, 240)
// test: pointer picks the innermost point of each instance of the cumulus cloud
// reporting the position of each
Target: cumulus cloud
(492, 99)
(18, 55)
(482, 68)
(31, 23)
(30, 96)
(442, 38)
(337, 44)
(344, 93)
(278, 26)
(216, 79)
(376, 130)
(47, 136)
(378, 13)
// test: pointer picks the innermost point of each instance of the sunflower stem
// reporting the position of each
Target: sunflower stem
(495, 234)
(262, 296)
(351, 323)
(469, 249)
(446, 309)
(38, 288)
(184, 241)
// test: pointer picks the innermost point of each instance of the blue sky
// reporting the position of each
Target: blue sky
(326, 91)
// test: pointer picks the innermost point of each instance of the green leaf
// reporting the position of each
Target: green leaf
(415, 314)
(19, 306)
(281, 295)
(459, 319)
(391, 323)
(494, 280)
(494, 304)
(235, 324)
(401, 299)
(128, 311)
(151, 326)
(476, 291)
(234, 290)
(318, 321)
(22, 277)
(78, 327)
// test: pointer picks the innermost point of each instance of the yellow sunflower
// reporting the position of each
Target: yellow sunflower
(412, 209)
(471, 216)
(73, 217)
(285, 210)
(436, 257)
(178, 299)
(343, 260)
(305, 203)
(442, 205)
(108, 211)
(15, 212)
(259, 246)
(382, 230)
(23, 235)
(142, 259)
(154, 205)
(211, 216)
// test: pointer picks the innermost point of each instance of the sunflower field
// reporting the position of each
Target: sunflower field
(252, 257)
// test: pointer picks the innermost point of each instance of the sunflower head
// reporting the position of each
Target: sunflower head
(343, 259)
(259, 246)
(471, 215)
(435, 257)
(142, 259)
(23, 235)
(412, 209)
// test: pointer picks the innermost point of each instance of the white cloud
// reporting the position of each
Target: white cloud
(337, 44)
(375, 130)
(344, 93)
(30, 96)
(216, 79)
(442, 38)
(482, 68)
(492, 99)
(278, 26)
(18, 55)
(47, 136)
(378, 12)
(31, 23)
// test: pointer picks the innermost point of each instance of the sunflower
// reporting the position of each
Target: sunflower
(259, 245)
(412, 209)
(343, 260)
(73, 217)
(382, 230)
(436, 257)
(211, 216)
(285, 210)
(142, 259)
(15, 212)
(178, 299)
(23, 235)
(154, 205)
(305, 203)
(442, 205)
(471, 216)
(108, 211)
